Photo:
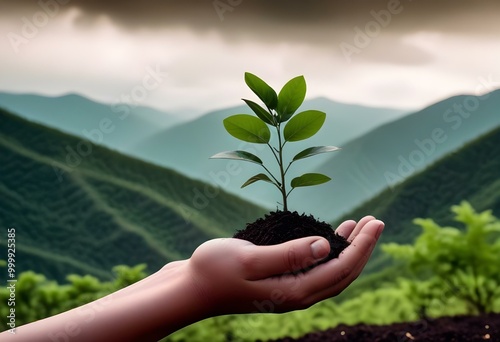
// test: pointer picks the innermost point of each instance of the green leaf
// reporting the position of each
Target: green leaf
(256, 178)
(291, 97)
(238, 155)
(262, 90)
(247, 128)
(304, 125)
(311, 151)
(309, 179)
(260, 112)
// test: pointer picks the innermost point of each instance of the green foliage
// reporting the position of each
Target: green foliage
(38, 298)
(465, 261)
(280, 108)
(85, 211)
(247, 128)
(304, 125)
(265, 93)
(391, 301)
(430, 298)
(239, 155)
(312, 151)
(385, 305)
(125, 275)
(291, 97)
(309, 179)
(258, 177)
(470, 173)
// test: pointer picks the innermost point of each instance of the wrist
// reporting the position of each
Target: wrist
(174, 300)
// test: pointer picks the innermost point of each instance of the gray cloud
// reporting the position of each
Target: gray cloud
(323, 24)
(268, 19)
(392, 51)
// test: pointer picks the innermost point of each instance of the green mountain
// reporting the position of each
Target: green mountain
(471, 173)
(187, 147)
(82, 208)
(82, 117)
(394, 151)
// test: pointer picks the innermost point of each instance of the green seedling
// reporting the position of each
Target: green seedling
(280, 109)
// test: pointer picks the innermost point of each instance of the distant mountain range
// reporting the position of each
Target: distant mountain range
(167, 140)
(387, 155)
(81, 208)
(471, 173)
(186, 147)
(117, 126)
(380, 146)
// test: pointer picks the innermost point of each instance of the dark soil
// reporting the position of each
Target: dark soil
(445, 329)
(281, 226)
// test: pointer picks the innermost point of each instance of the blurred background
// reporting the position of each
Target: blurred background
(109, 111)
(400, 54)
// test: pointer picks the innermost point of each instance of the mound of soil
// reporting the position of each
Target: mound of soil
(280, 226)
(445, 329)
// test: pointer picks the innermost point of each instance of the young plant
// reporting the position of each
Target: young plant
(280, 108)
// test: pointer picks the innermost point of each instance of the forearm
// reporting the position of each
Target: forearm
(145, 311)
(222, 276)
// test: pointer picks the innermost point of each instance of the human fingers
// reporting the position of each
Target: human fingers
(345, 228)
(359, 226)
(261, 262)
(331, 278)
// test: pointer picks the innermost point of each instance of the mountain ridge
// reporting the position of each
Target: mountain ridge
(186, 147)
(109, 209)
(469, 173)
(113, 125)
(393, 151)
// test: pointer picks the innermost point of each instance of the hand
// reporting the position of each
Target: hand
(223, 276)
(236, 276)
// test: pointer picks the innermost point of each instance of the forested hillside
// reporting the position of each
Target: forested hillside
(471, 173)
(391, 153)
(80, 208)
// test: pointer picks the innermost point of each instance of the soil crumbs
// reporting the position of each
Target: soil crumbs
(282, 226)
(445, 329)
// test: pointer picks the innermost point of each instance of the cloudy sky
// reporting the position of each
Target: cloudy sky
(190, 56)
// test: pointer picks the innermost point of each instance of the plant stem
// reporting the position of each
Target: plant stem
(270, 174)
(274, 153)
(282, 172)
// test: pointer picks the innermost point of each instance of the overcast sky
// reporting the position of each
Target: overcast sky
(192, 54)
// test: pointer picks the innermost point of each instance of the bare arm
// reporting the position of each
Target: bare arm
(223, 276)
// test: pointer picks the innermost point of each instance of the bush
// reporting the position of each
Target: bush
(37, 297)
(457, 263)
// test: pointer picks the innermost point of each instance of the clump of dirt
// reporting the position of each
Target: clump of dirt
(281, 226)
(458, 329)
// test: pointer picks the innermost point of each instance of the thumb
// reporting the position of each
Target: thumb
(287, 257)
